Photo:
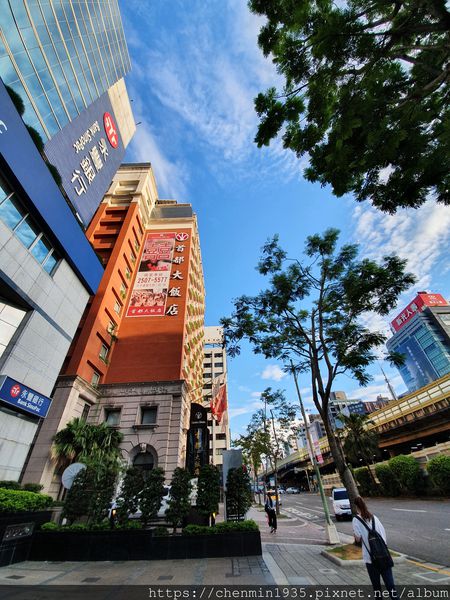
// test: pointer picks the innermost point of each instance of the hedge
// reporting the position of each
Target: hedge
(439, 471)
(406, 471)
(88, 527)
(389, 483)
(221, 528)
(365, 482)
(20, 501)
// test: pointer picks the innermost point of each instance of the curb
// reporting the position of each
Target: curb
(354, 563)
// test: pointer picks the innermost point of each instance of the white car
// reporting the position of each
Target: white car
(341, 503)
(292, 490)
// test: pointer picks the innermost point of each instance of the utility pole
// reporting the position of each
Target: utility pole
(333, 536)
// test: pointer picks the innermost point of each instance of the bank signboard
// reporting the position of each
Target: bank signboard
(17, 394)
(87, 153)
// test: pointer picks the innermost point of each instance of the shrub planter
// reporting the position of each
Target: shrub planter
(351, 562)
(140, 545)
(16, 534)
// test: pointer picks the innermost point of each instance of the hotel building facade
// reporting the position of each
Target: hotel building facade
(136, 362)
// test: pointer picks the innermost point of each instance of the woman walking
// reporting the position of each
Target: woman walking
(369, 530)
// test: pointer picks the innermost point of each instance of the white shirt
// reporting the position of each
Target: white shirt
(361, 532)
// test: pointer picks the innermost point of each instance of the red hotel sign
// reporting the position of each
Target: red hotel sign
(420, 302)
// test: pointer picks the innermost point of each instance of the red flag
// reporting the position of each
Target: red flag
(219, 399)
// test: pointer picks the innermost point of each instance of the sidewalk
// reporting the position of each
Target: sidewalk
(292, 556)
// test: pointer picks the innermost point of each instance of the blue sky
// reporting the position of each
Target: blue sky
(196, 68)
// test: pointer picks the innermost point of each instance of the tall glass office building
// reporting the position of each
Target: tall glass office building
(422, 336)
(60, 56)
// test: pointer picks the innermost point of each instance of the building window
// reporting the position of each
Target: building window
(133, 257)
(10, 319)
(95, 378)
(123, 291)
(218, 365)
(85, 413)
(209, 423)
(207, 386)
(136, 245)
(144, 461)
(104, 353)
(16, 218)
(112, 417)
(221, 436)
(219, 451)
(148, 415)
(127, 273)
(111, 329)
(117, 307)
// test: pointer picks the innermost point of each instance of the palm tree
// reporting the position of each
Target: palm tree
(359, 442)
(83, 442)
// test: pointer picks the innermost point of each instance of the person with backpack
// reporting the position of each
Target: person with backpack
(369, 530)
(271, 513)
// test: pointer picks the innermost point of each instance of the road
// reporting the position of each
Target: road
(418, 528)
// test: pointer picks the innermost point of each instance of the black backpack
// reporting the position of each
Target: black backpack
(379, 552)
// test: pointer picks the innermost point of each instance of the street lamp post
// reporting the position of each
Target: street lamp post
(332, 533)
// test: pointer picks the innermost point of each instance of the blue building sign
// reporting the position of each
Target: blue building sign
(19, 395)
(87, 153)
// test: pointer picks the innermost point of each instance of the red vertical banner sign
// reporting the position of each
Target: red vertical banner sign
(151, 286)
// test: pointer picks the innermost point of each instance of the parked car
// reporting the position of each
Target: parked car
(137, 515)
(341, 503)
(293, 490)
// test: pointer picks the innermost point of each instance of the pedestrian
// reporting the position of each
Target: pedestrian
(271, 513)
(369, 530)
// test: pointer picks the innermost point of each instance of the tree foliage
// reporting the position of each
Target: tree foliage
(152, 494)
(128, 501)
(365, 96)
(406, 471)
(439, 471)
(208, 495)
(312, 313)
(239, 497)
(360, 444)
(81, 441)
(179, 503)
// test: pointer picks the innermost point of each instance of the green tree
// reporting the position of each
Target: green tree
(389, 484)
(179, 502)
(81, 441)
(132, 486)
(254, 447)
(238, 496)
(208, 495)
(312, 313)
(360, 444)
(152, 494)
(439, 471)
(365, 95)
(406, 471)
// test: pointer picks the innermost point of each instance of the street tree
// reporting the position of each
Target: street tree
(131, 488)
(208, 495)
(360, 443)
(238, 496)
(179, 502)
(275, 421)
(150, 498)
(312, 313)
(254, 446)
(365, 95)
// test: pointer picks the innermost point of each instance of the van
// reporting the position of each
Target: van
(341, 503)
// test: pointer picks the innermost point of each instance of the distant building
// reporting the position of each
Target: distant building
(380, 402)
(215, 366)
(421, 333)
(340, 404)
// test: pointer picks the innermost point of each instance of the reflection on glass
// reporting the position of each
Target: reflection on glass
(26, 232)
(50, 263)
(10, 213)
(41, 249)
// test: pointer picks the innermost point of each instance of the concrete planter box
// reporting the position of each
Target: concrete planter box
(352, 563)
(16, 534)
(140, 545)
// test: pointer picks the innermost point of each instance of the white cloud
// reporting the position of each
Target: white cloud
(273, 372)
(372, 391)
(255, 394)
(237, 412)
(420, 236)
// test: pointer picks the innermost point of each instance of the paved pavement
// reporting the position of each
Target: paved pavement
(291, 556)
(416, 527)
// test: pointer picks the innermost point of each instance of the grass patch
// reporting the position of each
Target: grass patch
(351, 552)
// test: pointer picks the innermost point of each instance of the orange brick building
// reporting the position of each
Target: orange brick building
(136, 361)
